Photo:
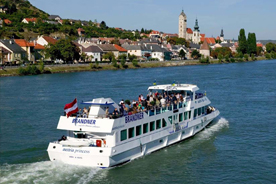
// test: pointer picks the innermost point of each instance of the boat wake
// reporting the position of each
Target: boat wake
(46, 172)
(215, 126)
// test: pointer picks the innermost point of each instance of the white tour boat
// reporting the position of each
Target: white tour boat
(103, 141)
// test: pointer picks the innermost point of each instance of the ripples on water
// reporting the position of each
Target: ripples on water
(239, 148)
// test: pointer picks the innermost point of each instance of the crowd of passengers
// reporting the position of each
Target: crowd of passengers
(151, 102)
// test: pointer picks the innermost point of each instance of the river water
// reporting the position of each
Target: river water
(240, 147)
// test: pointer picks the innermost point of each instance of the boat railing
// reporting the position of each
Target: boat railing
(155, 110)
(199, 95)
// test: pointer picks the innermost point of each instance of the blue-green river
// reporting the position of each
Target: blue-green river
(239, 148)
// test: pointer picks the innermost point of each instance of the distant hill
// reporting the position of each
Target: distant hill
(264, 42)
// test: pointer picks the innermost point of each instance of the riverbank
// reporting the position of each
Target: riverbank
(64, 68)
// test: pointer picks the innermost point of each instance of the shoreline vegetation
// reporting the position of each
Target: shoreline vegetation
(67, 68)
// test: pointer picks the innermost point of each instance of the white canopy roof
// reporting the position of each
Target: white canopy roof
(176, 87)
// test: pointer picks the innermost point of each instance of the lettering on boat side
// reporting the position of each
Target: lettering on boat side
(134, 117)
(71, 150)
(84, 121)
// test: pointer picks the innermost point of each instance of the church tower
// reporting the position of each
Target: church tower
(221, 36)
(196, 33)
(182, 25)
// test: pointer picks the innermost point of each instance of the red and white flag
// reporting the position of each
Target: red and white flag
(71, 108)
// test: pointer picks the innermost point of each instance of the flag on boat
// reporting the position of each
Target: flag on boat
(173, 84)
(71, 108)
(154, 83)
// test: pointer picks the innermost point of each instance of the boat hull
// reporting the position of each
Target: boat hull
(107, 157)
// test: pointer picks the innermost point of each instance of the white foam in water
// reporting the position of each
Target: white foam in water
(46, 172)
(215, 127)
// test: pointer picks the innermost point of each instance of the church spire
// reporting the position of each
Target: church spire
(221, 34)
(196, 28)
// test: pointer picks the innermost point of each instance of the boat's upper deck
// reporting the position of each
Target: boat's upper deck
(176, 87)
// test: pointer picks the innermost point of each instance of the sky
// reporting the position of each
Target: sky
(254, 16)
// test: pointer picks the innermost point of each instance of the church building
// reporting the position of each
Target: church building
(187, 33)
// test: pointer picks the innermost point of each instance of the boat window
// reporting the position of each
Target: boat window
(79, 135)
(131, 132)
(152, 125)
(145, 128)
(180, 117)
(164, 123)
(195, 113)
(170, 119)
(158, 124)
(123, 135)
(202, 110)
(138, 130)
(199, 111)
(189, 114)
(185, 115)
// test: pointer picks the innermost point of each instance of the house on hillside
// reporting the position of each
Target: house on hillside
(28, 20)
(154, 34)
(109, 48)
(6, 21)
(120, 49)
(4, 55)
(32, 49)
(133, 50)
(14, 53)
(54, 17)
(93, 51)
(45, 40)
(81, 32)
(159, 53)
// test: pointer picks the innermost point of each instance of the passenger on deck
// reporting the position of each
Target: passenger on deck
(63, 138)
(107, 112)
(139, 98)
(163, 102)
(115, 113)
(80, 113)
(85, 112)
(142, 97)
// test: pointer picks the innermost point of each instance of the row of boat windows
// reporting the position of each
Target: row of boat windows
(149, 127)
(200, 111)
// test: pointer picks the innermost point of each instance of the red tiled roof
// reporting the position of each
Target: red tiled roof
(39, 47)
(7, 21)
(209, 40)
(154, 32)
(106, 39)
(259, 45)
(218, 38)
(202, 35)
(80, 29)
(22, 42)
(31, 19)
(50, 39)
(120, 49)
(189, 31)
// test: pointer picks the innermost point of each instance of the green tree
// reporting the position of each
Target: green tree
(259, 51)
(242, 42)
(220, 57)
(132, 57)
(103, 25)
(109, 55)
(195, 54)
(182, 54)
(251, 41)
(142, 30)
(270, 47)
(63, 49)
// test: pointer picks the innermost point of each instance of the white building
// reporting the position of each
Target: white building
(182, 29)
